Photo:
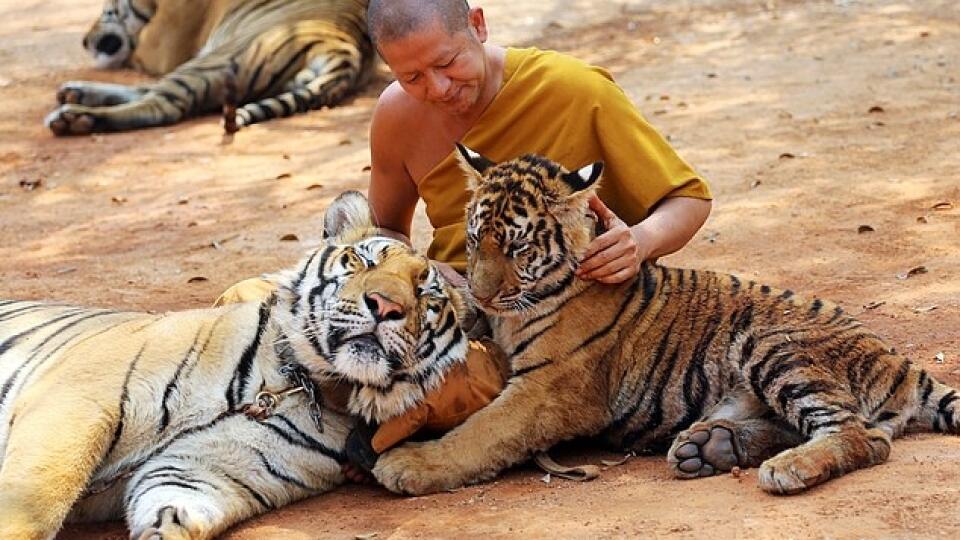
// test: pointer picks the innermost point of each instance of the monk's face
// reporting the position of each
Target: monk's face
(443, 69)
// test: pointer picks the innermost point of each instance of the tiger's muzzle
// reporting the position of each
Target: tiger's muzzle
(109, 44)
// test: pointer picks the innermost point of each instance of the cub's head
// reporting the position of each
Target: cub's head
(527, 226)
(367, 309)
(113, 37)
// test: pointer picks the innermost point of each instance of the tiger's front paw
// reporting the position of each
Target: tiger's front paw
(416, 470)
(70, 120)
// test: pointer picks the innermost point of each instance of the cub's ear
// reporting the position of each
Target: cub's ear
(584, 178)
(473, 164)
(348, 219)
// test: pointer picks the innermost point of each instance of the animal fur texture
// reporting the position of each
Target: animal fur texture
(733, 372)
(260, 59)
(110, 414)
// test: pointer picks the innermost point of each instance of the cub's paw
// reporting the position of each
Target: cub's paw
(171, 524)
(793, 471)
(416, 469)
(70, 120)
(704, 450)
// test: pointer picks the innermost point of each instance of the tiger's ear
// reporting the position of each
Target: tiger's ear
(473, 164)
(583, 178)
(348, 219)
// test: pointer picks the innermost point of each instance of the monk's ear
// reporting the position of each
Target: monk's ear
(473, 164)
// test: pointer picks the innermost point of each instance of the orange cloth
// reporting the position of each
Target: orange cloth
(464, 391)
(562, 108)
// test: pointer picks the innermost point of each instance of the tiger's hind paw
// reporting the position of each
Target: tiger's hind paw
(704, 450)
(70, 120)
(169, 525)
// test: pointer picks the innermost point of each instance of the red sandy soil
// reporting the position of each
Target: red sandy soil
(810, 119)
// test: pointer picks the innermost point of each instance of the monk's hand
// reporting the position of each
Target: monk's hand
(615, 255)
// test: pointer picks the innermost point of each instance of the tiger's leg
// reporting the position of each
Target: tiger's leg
(815, 400)
(194, 87)
(534, 412)
(52, 450)
(97, 94)
(334, 67)
(738, 432)
(173, 498)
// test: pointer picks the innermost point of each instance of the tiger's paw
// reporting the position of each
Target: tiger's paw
(71, 93)
(416, 469)
(704, 450)
(70, 120)
(171, 524)
(792, 471)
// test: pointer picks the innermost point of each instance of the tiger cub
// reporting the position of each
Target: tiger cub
(188, 422)
(259, 59)
(738, 374)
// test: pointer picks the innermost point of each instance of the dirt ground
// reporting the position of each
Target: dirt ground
(829, 130)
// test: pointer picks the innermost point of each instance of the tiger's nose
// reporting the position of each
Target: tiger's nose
(382, 308)
(109, 43)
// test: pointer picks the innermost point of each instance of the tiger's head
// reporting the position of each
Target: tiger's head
(113, 37)
(527, 226)
(368, 310)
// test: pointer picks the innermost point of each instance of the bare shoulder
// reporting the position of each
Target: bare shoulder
(394, 112)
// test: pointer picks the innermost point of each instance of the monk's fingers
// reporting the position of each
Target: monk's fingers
(619, 276)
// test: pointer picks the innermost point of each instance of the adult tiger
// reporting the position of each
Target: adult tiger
(794, 386)
(275, 57)
(189, 422)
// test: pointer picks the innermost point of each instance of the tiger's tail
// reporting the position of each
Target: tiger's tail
(324, 82)
(939, 408)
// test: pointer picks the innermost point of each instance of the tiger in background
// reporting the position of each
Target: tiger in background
(189, 422)
(735, 373)
(257, 59)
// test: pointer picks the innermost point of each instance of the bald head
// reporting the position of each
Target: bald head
(388, 20)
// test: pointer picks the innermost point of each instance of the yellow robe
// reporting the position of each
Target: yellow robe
(566, 110)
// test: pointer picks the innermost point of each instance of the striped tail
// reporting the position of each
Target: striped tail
(323, 83)
(939, 405)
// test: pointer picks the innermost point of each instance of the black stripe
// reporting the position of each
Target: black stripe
(191, 93)
(887, 415)
(144, 17)
(172, 384)
(280, 475)
(533, 367)
(124, 397)
(631, 292)
(654, 363)
(522, 346)
(13, 340)
(237, 389)
(897, 383)
(927, 389)
(798, 391)
(260, 498)
(306, 441)
(36, 351)
(15, 313)
(457, 338)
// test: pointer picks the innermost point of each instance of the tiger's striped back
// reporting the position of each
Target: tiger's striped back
(793, 385)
